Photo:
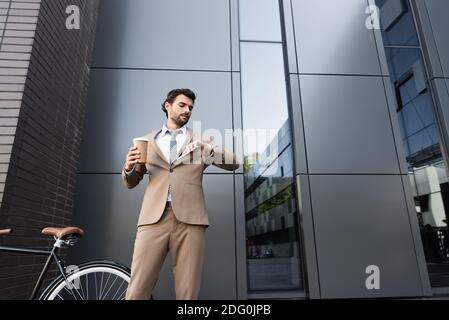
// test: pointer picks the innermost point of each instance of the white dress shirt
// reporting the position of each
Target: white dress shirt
(163, 140)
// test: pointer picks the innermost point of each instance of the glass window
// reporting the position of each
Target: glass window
(420, 136)
(397, 23)
(260, 20)
(272, 232)
(264, 94)
(401, 61)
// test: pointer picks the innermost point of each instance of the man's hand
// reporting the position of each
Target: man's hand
(131, 158)
(205, 146)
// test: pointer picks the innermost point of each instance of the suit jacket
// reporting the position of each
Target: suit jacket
(185, 180)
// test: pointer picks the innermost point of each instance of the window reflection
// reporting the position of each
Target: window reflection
(264, 96)
(271, 219)
(420, 137)
(397, 23)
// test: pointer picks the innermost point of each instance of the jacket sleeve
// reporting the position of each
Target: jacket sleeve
(220, 157)
(132, 178)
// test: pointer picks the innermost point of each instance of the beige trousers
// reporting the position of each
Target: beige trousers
(184, 241)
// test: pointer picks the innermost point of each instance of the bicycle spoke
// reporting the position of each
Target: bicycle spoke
(70, 292)
(105, 286)
(110, 284)
(87, 286)
(73, 289)
(101, 286)
(96, 291)
(81, 287)
(123, 294)
(78, 292)
(110, 287)
(123, 281)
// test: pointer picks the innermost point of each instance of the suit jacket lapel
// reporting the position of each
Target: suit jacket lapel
(184, 145)
(186, 142)
(156, 147)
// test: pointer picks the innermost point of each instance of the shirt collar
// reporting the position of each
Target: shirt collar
(165, 129)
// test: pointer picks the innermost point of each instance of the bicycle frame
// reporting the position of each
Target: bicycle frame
(52, 254)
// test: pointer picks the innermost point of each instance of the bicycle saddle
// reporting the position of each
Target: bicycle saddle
(4, 232)
(62, 232)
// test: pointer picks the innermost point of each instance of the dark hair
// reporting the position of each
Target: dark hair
(171, 97)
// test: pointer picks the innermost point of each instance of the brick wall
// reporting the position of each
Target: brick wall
(44, 72)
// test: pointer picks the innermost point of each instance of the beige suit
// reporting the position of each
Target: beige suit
(178, 229)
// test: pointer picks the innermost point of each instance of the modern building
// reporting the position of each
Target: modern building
(340, 111)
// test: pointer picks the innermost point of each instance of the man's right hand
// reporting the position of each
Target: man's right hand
(131, 158)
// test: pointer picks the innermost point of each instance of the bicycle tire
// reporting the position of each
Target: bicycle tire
(78, 286)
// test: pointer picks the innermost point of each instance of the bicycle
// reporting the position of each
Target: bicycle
(94, 280)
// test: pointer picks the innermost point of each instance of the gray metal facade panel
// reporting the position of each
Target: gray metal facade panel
(237, 119)
(379, 44)
(164, 34)
(298, 128)
(332, 37)
(416, 234)
(240, 236)
(289, 36)
(361, 221)
(427, 39)
(437, 11)
(347, 128)
(441, 92)
(124, 104)
(108, 212)
(235, 36)
(305, 216)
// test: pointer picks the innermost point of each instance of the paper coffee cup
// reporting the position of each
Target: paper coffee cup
(141, 144)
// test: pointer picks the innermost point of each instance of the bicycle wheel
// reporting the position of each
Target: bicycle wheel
(97, 280)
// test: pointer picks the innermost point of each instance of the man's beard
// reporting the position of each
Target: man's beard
(180, 121)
